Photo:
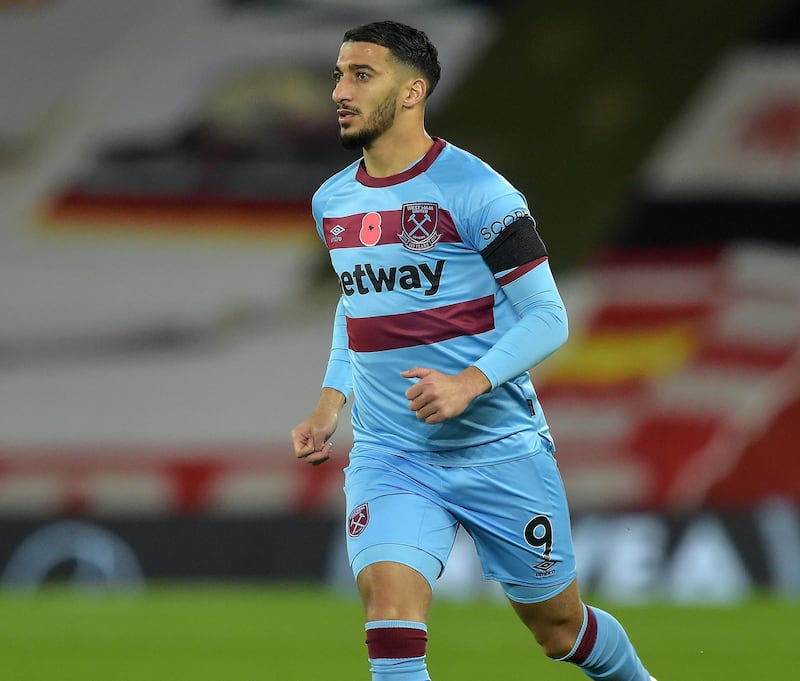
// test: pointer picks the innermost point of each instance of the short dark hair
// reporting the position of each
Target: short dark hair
(407, 44)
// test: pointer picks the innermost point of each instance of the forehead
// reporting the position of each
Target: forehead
(363, 54)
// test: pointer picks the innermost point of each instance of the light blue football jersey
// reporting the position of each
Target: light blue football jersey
(416, 292)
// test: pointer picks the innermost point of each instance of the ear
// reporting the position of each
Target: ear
(416, 91)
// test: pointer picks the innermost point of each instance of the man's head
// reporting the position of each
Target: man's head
(383, 68)
(406, 44)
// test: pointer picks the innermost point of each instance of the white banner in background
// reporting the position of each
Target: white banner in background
(740, 135)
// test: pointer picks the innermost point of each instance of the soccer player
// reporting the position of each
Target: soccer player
(447, 301)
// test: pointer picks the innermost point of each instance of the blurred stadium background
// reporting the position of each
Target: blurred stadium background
(166, 307)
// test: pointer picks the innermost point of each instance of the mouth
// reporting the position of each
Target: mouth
(345, 115)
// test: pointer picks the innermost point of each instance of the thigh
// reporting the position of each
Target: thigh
(392, 516)
(518, 516)
(394, 591)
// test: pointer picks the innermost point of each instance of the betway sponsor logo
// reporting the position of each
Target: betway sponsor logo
(368, 279)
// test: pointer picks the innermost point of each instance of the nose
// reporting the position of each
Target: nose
(340, 93)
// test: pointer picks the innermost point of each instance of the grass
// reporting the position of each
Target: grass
(304, 634)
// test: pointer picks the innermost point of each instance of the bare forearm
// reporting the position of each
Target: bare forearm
(331, 401)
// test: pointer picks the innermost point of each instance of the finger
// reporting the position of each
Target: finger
(426, 411)
(415, 372)
(319, 456)
(316, 454)
(414, 392)
(303, 446)
(419, 402)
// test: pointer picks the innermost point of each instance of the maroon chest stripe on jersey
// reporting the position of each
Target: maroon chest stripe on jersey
(409, 329)
(345, 232)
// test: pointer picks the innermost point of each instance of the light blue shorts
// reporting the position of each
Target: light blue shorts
(516, 512)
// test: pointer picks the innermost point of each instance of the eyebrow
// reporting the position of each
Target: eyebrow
(357, 67)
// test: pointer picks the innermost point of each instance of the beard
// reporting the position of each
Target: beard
(377, 124)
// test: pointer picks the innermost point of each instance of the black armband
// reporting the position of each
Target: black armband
(518, 244)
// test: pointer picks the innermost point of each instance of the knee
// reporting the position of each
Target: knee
(557, 640)
(555, 623)
(391, 591)
(384, 605)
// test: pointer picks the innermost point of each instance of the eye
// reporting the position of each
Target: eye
(362, 75)
(337, 76)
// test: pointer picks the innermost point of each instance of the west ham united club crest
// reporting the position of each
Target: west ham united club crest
(419, 224)
(358, 520)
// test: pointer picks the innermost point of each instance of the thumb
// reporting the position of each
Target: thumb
(416, 372)
(320, 438)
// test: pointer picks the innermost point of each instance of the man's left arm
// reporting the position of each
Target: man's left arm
(518, 260)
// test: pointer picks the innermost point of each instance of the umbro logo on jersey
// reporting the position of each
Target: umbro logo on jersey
(336, 232)
(368, 279)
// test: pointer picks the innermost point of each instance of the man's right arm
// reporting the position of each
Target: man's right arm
(338, 374)
(311, 437)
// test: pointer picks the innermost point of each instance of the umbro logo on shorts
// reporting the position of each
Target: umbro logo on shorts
(545, 565)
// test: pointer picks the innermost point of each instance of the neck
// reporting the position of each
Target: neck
(392, 153)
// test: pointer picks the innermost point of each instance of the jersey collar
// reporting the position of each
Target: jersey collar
(417, 169)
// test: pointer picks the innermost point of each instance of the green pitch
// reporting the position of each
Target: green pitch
(293, 634)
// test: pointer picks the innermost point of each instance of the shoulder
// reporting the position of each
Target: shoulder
(460, 166)
(481, 199)
(469, 183)
(333, 184)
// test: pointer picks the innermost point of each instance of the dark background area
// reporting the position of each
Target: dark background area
(571, 98)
